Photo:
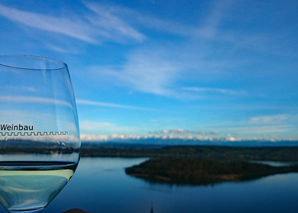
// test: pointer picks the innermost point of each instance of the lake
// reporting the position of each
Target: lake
(101, 185)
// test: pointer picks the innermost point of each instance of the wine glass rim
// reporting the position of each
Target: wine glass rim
(61, 63)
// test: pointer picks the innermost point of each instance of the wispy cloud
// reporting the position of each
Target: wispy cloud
(71, 28)
(162, 69)
(208, 29)
(104, 104)
(260, 130)
(278, 126)
(95, 27)
(110, 22)
(104, 22)
(29, 99)
(146, 71)
(110, 25)
(219, 10)
(203, 90)
(269, 119)
(116, 15)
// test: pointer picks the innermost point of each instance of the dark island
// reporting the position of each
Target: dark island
(203, 172)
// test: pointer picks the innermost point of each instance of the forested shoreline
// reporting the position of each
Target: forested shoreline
(193, 151)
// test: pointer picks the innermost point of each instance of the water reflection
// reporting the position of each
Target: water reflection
(101, 185)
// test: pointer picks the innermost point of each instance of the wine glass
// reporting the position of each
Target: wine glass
(39, 131)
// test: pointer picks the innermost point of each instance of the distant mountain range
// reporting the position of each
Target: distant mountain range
(166, 142)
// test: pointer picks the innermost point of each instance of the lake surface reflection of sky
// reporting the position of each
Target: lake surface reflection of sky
(101, 185)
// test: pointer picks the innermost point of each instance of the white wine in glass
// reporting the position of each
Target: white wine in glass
(39, 131)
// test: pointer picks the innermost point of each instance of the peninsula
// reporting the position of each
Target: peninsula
(203, 172)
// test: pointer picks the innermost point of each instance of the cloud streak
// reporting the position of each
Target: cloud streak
(29, 99)
(104, 22)
(104, 104)
(162, 69)
(95, 27)
(109, 25)
(145, 71)
(269, 119)
(263, 126)
(71, 28)
(216, 90)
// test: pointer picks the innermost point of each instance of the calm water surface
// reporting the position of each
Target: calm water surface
(100, 185)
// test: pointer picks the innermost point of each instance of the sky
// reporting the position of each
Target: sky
(200, 70)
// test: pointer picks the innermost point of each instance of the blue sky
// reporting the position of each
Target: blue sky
(218, 70)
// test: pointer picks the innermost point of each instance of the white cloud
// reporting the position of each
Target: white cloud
(116, 15)
(71, 28)
(104, 104)
(270, 119)
(258, 129)
(31, 89)
(215, 90)
(110, 22)
(262, 127)
(29, 99)
(104, 22)
(159, 70)
(64, 50)
(215, 17)
(109, 25)
(146, 71)
(100, 25)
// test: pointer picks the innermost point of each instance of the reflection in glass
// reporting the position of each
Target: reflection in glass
(39, 132)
